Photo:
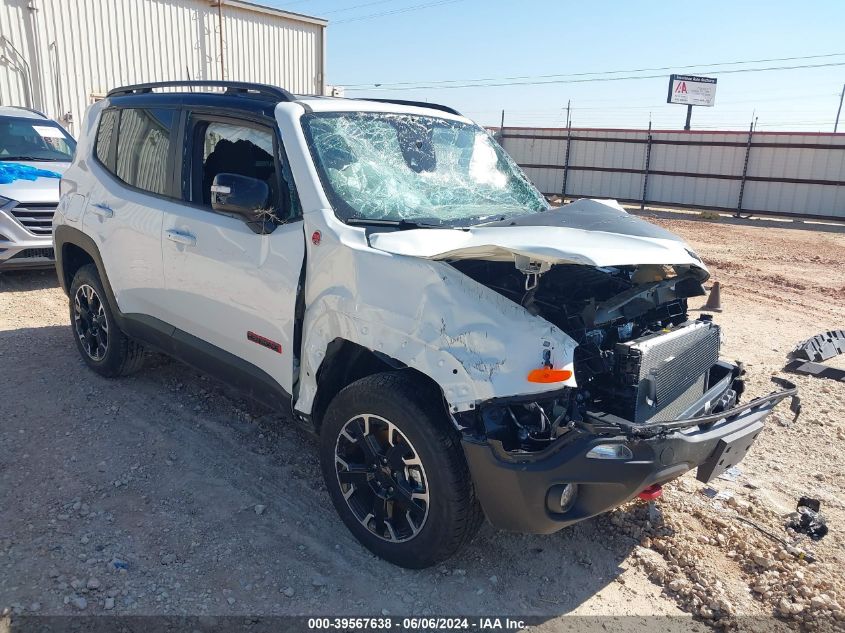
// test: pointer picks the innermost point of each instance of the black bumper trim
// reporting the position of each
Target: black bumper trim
(649, 429)
(513, 487)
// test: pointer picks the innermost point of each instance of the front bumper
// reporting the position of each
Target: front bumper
(21, 249)
(518, 491)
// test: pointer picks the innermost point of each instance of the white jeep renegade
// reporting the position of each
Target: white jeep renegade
(384, 273)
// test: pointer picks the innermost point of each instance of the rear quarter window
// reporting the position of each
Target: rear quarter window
(143, 148)
(105, 135)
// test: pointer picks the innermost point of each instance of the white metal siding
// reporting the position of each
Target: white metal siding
(80, 48)
(614, 168)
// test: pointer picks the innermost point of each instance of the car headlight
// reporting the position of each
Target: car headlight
(5, 202)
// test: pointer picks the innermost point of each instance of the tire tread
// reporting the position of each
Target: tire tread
(464, 505)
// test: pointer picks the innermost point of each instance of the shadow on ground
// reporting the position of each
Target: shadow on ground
(25, 280)
(163, 471)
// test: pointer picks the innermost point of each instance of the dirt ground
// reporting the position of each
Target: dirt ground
(166, 493)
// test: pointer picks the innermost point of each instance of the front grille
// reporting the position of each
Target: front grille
(33, 253)
(667, 372)
(36, 217)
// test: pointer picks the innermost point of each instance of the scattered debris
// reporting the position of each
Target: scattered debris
(807, 357)
(807, 519)
(820, 347)
(119, 564)
(791, 549)
(808, 368)
(731, 474)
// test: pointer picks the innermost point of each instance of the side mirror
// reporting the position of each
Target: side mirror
(241, 195)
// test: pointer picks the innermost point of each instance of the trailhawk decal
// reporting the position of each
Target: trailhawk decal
(264, 341)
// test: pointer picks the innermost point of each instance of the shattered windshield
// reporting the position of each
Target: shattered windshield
(398, 167)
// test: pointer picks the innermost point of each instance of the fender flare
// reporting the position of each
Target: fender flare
(67, 235)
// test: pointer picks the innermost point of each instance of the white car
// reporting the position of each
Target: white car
(384, 273)
(34, 152)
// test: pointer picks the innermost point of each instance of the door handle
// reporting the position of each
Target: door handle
(103, 210)
(181, 237)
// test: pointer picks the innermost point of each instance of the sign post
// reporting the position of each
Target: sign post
(690, 91)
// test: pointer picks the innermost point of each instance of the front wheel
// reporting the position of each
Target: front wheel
(396, 472)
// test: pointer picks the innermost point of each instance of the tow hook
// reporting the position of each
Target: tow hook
(651, 493)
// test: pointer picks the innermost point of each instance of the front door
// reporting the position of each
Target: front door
(228, 288)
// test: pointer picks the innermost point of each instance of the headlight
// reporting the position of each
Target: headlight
(4, 202)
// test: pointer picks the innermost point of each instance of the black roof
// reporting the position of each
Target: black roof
(258, 98)
(218, 101)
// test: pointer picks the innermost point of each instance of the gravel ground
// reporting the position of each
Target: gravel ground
(167, 493)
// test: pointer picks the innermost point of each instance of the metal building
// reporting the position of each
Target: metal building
(59, 56)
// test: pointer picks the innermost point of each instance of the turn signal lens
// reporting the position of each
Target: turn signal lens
(549, 375)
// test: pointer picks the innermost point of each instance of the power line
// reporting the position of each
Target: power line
(396, 11)
(357, 6)
(591, 79)
(604, 72)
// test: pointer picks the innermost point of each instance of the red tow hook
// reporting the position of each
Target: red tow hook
(651, 493)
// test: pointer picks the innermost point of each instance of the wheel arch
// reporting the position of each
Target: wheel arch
(346, 362)
(74, 249)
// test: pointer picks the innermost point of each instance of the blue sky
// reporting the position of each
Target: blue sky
(474, 39)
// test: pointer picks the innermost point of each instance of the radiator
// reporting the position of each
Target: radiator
(665, 373)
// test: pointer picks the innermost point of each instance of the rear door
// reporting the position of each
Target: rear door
(133, 187)
(229, 288)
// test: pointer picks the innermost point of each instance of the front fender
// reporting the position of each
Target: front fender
(473, 342)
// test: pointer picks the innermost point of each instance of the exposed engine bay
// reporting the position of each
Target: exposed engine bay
(639, 356)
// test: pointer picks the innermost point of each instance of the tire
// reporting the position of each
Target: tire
(411, 500)
(102, 345)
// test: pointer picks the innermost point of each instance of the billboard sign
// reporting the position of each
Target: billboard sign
(692, 90)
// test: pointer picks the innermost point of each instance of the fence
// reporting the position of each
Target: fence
(766, 173)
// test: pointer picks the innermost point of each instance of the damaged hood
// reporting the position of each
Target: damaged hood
(588, 232)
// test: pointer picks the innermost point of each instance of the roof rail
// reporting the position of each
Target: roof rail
(419, 104)
(232, 87)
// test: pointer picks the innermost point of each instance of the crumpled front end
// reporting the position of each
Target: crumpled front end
(473, 342)
(605, 461)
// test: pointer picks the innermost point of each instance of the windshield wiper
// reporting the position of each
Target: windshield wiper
(35, 159)
(402, 224)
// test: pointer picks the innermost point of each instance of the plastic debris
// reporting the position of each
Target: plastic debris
(807, 519)
(731, 474)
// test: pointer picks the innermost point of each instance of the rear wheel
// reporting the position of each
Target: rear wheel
(396, 472)
(102, 345)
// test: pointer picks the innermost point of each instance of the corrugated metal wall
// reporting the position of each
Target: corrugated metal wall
(59, 55)
(800, 174)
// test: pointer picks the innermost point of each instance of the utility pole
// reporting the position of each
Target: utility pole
(566, 156)
(839, 111)
(222, 53)
(502, 126)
